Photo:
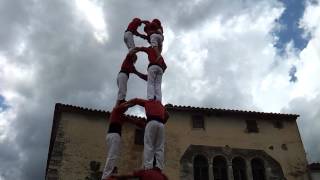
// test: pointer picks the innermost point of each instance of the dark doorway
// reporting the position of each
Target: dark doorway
(200, 168)
(258, 170)
(239, 169)
(219, 165)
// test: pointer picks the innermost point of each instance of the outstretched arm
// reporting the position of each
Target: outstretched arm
(145, 22)
(138, 122)
(143, 36)
(140, 35)
(123, 107)
(137, 49)
(140, 75)
(136, 101)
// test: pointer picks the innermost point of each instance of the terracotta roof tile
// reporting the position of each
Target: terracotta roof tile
(232, 112)
(71, 108)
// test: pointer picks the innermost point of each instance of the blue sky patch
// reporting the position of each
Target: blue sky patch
(3, 106)
(290, 30)
(292, 74)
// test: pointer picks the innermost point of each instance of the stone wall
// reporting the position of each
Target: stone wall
(284, 145)
(273, 169)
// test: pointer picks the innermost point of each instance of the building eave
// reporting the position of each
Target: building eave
(233, 112)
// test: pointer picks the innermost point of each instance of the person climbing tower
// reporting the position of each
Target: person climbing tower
(154, 136)
(113, 137)
(131, 30)
(127, 68)
(156, 68)
(154, 31)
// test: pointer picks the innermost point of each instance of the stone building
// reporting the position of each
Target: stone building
(201, 144)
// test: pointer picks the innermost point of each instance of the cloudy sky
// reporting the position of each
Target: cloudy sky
(242, 54)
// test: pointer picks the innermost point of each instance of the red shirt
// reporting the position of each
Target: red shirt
(117, 118)
(152, 56)
(117, 115)
(127, 65)
(133, 25)
(154, 109)
(150, 174)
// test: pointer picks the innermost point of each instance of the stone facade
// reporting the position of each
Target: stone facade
(272, 167)
(78, 150)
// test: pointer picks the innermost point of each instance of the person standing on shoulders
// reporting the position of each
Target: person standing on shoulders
(156, 68)
(113, 138)
(154, 136)
(127, 68)
(131, 30)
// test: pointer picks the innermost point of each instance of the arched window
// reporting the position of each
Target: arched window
(258, 170)
(219, 165)
(239, 169)
(200, 168)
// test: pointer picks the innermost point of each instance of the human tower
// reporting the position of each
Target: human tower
(157, 116)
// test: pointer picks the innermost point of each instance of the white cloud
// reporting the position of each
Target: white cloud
(305, 96)
(224, 57)
(311, 18)
(93, 12)
(308, 85)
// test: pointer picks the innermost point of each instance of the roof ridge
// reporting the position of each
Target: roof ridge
(182, 107)
(227, 110)
(73, 107)
(80, 107)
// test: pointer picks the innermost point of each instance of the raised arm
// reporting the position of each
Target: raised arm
(139, 34)
(123, 107)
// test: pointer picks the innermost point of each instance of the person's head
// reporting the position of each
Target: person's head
(136, 20)
(157, 21)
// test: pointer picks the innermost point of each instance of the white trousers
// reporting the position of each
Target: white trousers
(128, 40)
(122, 80)
(113, 148)
(156, 40)
(154, 140)
(155, 73)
